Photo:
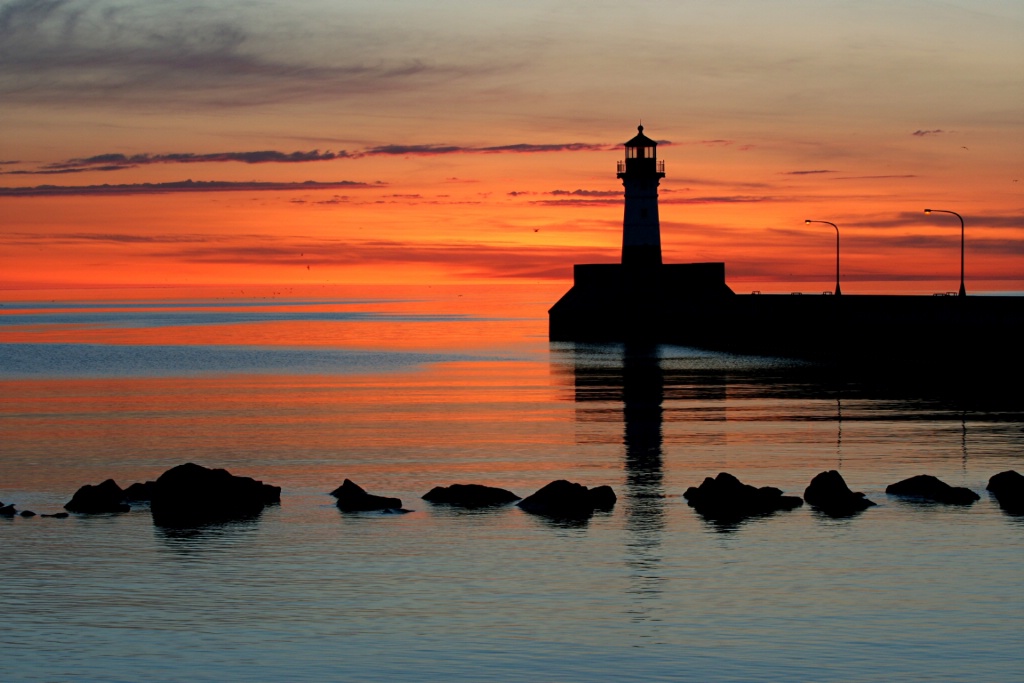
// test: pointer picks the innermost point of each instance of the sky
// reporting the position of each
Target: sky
(150, 143)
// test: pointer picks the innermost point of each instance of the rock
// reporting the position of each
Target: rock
(57, 515)
(7, 511)
(104, 497)
(139, 492)
(726, 498)
(469, 496)
(570, 500)
(1008, 488)
(352, 498)
(27, 513)
(929, 488)
(829, 493)
(191, 495)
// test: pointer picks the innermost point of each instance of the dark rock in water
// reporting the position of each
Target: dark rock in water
(829, 493)
(7, 511)
(104, 497)
(725, 498)
(929, 488)
(27, 513)
(1008, 488)
(352, 498)
(603, 497)
(570, 500)
(57, 515)
(192, 495)
(469, 495)
(139, 492)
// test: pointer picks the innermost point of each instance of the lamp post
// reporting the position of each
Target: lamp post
(963, 290)
(808, 222)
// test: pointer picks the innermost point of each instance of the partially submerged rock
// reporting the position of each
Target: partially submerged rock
(570, 500)
(726, 498)
(104, 497)
(7, 510)
(829, 493)
(352, 498)
(469, 495)
(139, 492)
(191, 495)
(1008, 488)
(928, 488)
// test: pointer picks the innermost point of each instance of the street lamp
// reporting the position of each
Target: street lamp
(963, 290)
(808, 222)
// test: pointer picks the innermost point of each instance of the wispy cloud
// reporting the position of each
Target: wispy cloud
(521, 148)
(814, 172)
(484, 260)
(568, 193)
(919, 219)
(118, 162)
(615, 198)
(180, 186)
(875, 177)
(587, 193)
(921, 133)
(111, 162)
(183, 53)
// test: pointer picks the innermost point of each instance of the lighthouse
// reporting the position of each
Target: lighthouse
(641, 298)
(641, 172)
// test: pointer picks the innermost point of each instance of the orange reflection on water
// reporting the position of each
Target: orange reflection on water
(489, 421)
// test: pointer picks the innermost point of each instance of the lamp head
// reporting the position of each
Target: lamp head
(927, 210)
(807, 222)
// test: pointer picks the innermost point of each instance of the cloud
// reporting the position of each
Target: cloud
(522, 148)
(875, 177)
(807, 172)
(108, 161)
(118, 162)
(922, 133)
(919, 219)
(615, 198)
(587, 193)
(184, 53)
(75, 238)
(473, 259)
(180, 186)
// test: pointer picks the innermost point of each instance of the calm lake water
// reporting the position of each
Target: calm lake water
(402, 389)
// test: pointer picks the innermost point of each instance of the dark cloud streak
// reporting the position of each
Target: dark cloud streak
(181, 186)
(522, 148)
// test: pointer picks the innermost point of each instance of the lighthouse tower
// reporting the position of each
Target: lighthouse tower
(641, 230)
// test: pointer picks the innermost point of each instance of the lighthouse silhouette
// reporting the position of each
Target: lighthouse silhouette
(641, 172)
(640, 297)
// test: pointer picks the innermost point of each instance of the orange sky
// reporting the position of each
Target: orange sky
(455, 143)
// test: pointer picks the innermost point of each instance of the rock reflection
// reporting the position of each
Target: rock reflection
(189, 540)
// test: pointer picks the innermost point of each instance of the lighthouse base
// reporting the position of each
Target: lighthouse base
(625, 302)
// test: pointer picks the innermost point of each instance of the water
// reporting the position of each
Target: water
(404, 390)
